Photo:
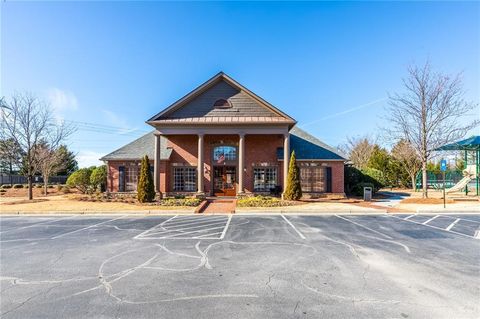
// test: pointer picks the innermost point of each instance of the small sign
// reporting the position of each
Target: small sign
(443, 165)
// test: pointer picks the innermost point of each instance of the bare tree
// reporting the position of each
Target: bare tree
(29, 122)
(408, 159)
(430, 113)
(358, 150)
(49, 163)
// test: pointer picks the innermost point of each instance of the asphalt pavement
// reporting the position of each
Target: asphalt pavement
(240, 266)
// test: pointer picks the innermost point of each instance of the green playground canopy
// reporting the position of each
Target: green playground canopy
(469, 144)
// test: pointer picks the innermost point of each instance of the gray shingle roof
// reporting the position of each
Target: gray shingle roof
(197, 107)
(308, 147)
(140, 147)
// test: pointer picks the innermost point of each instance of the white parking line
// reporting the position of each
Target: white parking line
(367, 228)
(39, 223)
(462, 218)
(185, 233)
(168, 230)
(211, 234)
(408, 217)
(452, 224)
(435, 227)
(226, 227)
(188, 228)
(200, 221)
(182, 219)
(426, 222)
(152, 228)
(84, 228)
(298, 232)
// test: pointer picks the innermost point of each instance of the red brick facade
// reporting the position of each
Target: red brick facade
(260, 151)
(254, 140)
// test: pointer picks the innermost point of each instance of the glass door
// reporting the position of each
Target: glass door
(224, 179)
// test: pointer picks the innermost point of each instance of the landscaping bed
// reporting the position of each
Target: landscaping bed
(425, 201)
(21, 190)
(264, 201)
(132, 199)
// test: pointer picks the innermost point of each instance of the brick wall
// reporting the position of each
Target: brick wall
(113, 174)
(260, 150)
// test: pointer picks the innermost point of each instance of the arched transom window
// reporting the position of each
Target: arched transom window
(224, 153)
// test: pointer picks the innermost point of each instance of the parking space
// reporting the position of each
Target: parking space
(240, 266)
(189, 227)
(464, 225)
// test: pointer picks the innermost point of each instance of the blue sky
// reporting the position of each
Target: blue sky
(330, 65)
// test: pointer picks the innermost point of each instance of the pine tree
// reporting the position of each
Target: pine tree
(145, 188)
(293, 190)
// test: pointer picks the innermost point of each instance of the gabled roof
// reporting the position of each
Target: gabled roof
(197, 107)
(140, 147)
(308, 147)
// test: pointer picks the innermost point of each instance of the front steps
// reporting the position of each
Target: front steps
(218, 206)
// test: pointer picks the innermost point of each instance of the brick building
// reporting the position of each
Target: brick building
(221, 139)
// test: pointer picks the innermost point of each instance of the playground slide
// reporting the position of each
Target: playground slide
(460, 185)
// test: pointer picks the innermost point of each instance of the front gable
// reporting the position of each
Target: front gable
(240, 106)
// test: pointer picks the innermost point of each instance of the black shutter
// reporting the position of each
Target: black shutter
(329, 179)
(121, 178)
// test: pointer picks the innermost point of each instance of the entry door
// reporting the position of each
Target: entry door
(224, 179)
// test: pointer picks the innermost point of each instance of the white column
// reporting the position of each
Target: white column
(200, 164)
(156, 164)
(241, 162)
(286, 159)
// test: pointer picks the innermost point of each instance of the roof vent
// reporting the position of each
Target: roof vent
(222, 104)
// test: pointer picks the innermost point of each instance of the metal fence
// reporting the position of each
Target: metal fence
(19, 179)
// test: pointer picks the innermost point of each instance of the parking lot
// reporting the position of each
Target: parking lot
(241, 266)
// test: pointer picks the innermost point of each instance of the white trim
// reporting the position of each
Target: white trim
(223, 129)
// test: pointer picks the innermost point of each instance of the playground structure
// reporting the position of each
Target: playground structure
(471, 172)
(435, 179)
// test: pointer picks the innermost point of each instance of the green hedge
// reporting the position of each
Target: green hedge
(355, 180)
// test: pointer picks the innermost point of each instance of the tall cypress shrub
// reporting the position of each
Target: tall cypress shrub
(294, 189)
(145, 188)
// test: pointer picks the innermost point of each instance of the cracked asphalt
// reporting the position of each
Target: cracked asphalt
(246, 266)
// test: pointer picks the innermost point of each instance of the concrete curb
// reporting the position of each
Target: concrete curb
(172, 213)
(332, 212)
(120, 212)
(448, 211)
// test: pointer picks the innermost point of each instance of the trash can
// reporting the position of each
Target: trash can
(367, 194)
